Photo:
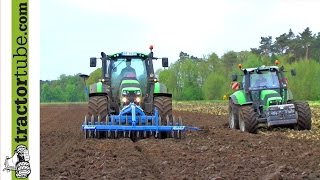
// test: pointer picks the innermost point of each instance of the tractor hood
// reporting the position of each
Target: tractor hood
(270, 97)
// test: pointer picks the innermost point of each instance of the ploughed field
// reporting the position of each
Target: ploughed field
(216, 152)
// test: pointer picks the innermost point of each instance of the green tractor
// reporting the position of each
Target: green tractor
(263, 98)
(129, 101)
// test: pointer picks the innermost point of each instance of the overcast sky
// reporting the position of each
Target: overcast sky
(72, 31)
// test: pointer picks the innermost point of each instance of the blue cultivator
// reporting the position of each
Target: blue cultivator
(132, 122)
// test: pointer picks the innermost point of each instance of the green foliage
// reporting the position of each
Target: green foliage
(305, 85)
(208, 78)
(215, 86)
(65, 89)
(94, 76)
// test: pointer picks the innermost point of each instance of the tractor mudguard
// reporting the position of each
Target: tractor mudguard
(239, 98)
(160, 90)
(98, 89)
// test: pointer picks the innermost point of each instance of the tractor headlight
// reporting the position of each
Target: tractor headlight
(138, 99)
(124, 93)
(124, 99)
(138, 93)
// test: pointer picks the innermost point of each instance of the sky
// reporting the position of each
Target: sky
(72, 31)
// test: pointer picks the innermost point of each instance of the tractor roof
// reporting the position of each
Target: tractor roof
(262, 68)
(128, 55)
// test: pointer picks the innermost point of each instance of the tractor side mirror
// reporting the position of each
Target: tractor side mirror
(165, 62)
(84, 76)
(234, 77)
(103, 54)
(293, 72)
(93, 62)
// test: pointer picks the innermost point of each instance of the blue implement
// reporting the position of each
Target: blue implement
(132, 119)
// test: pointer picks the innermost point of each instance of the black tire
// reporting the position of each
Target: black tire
(98, 106)
(233, 115)
(304, 115)
(164, 106)
(248, 119)
(23, 169)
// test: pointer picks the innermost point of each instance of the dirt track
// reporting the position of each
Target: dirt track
(214, 153)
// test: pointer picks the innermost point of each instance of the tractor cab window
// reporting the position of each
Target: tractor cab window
(128, 69)
(264, 79)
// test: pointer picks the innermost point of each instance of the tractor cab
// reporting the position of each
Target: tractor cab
(126, 71)
(266, 78)
(265, 86)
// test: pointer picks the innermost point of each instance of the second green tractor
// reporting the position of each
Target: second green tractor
(264, 98)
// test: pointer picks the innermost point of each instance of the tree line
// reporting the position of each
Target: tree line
(209, 77)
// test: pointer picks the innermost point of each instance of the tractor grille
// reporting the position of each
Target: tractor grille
(131, 96)
(281, 115)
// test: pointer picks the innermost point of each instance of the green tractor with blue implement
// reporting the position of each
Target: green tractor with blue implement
(129, 101)
(263, 98)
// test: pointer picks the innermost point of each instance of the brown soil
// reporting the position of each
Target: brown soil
(216, 152)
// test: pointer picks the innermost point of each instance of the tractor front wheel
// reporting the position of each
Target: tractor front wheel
(98, 106)
(248, 119)
(304, 115)
(233, 115)
(164, 106)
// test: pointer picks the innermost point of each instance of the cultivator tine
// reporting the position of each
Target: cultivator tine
(112, 120)
(99, 120)
(86, 123)
(92, 123)
(144, 134)
(180, 123)
(173, 133)
(168, 134)
(152, 121)
(92, 120)
(108, 134)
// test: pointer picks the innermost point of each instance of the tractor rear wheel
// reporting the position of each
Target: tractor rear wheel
(164, 106)
(248, 119)
(98, 106)
(304, 115)
(233, 115)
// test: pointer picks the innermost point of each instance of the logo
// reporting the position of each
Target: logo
(19, 162)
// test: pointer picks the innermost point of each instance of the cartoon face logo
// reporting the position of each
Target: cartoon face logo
(19, 162)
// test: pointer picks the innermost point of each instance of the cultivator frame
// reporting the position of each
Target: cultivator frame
(132, 122)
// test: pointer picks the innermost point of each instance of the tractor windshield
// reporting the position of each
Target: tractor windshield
(128, 69)
(263, 80)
